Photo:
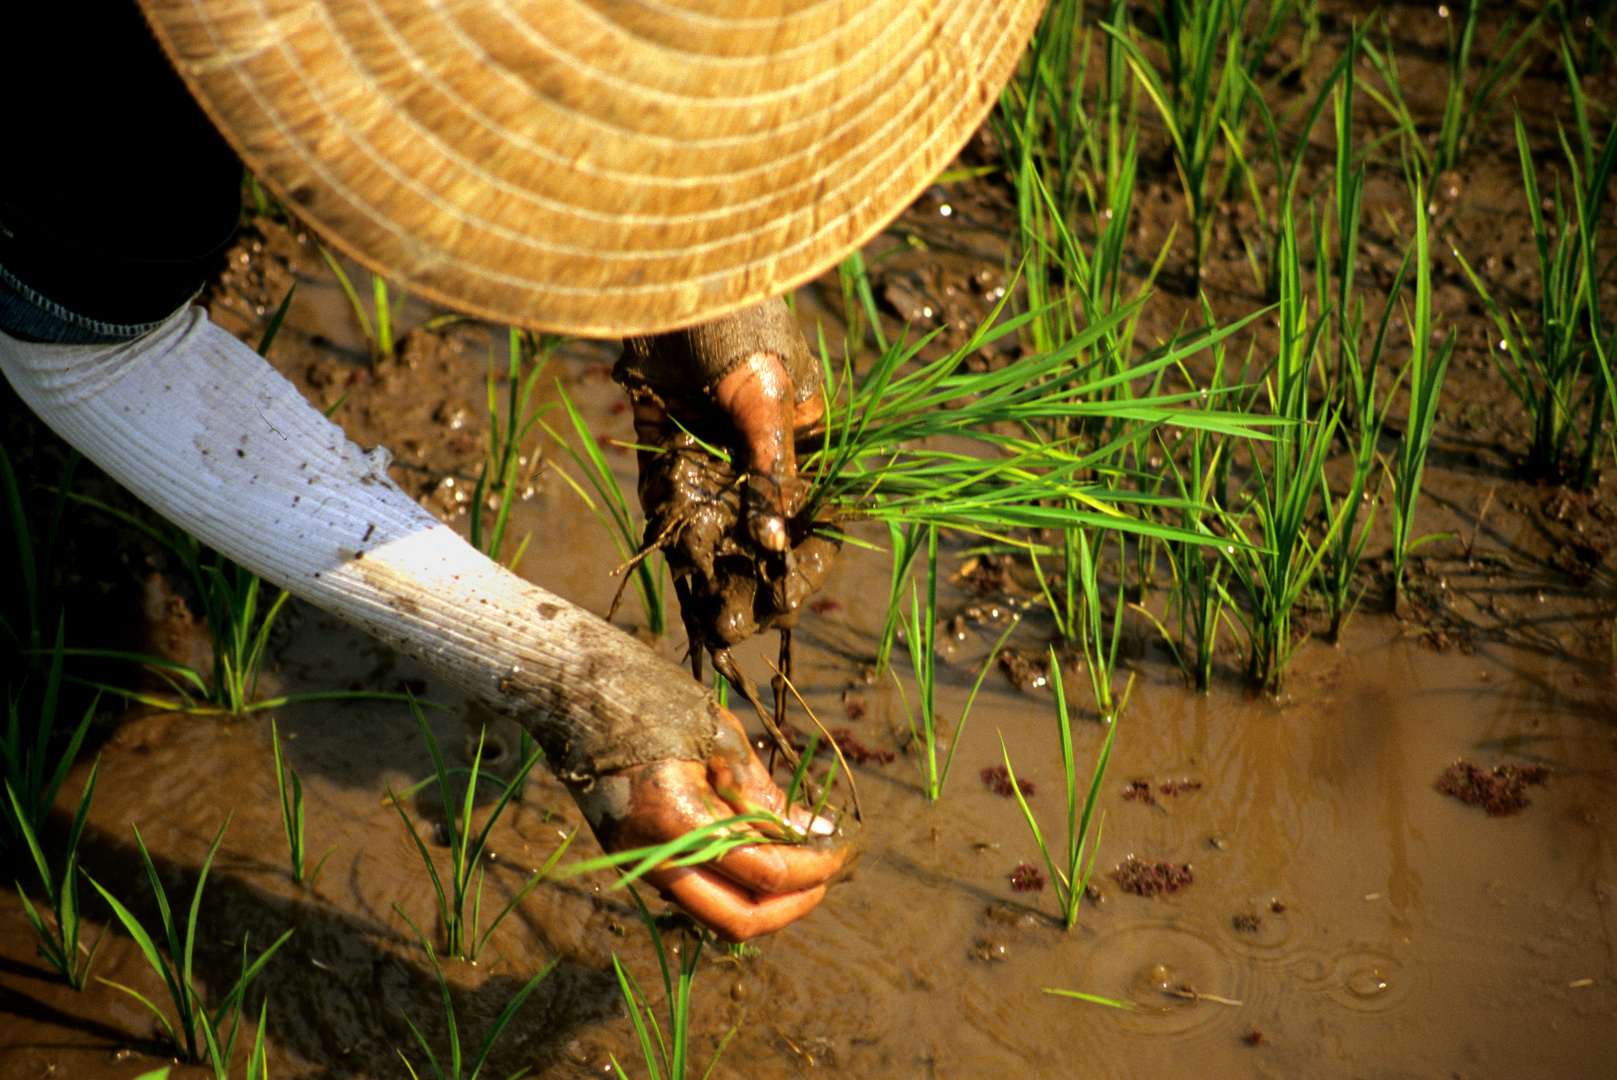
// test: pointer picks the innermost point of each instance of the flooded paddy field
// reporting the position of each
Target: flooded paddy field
(1338, 915)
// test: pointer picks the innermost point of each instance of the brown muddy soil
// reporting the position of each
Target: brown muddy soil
(1338, 914)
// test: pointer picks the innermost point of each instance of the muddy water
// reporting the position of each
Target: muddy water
(1353, 920)
(1365, 924)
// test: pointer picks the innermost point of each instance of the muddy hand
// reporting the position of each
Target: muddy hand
(752, 890)
(760, 399)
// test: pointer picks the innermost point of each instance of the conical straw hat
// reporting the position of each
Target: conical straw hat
(601, 167)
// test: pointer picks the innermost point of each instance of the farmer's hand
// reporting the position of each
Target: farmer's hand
(752, 376)
(755, 889)
(759, 398)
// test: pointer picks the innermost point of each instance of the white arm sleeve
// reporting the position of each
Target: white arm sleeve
(203, 430)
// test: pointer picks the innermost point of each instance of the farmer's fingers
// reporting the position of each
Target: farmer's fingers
(667, 799)
(730, 911)
(769, 869)
(758, 398)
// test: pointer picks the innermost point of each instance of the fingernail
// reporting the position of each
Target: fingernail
(770, 532)
(817, 826)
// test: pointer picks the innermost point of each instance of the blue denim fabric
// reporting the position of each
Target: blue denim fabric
(28, 316)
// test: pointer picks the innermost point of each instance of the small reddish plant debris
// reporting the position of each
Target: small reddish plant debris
(998, 779)
(1139, 791)
(825, 605)
(1501, 791)
(853, 707)
(858, 752)
(849, 743)
(1175, 787)
(1248, 922)
(1253, 1037)
(1150, 877)
(1277, 906)
(1027, 878)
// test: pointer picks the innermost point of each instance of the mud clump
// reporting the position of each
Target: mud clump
(1501, 791)
(1027, 878)
(730, 587)
(1144, 877)
(1026, 671)
(998, 780)
(1141, 791)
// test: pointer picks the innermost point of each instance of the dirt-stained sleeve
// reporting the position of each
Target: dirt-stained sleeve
(693, 360)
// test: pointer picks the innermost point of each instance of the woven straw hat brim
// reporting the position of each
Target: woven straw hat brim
(596, 167)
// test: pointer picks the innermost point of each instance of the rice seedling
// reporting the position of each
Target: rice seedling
(905, 544)
(1356, 383)
(1587, 21)
(1287, 168)
(31, 774)
(1071, 872)
(1427, 366)
(1057, 157)
(1468, 109)
(1099, 648)
(859, 303)
(699, 845)
(498, 479)
(665, 1049)
(191, 1016)
(376, 326)
(1391, 97)
(453, 1065)
(1093, 999)
(1546, 372)
(1195, 106)
(920, 631)
(62, 948)
(873, 461)
(291, 792)
(1274, 575)
(460, 896)
(33, 556)
(1356, 371)
(1589, 199)
(1198, 463)
(613, 512)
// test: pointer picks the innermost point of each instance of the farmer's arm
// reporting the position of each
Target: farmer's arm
(207, 433)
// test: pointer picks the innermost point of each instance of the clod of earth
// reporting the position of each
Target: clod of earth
(1176, 787)
(1140, 790)
(998, 779)
(1026, 671)
(1151, 878)
(1501, 791)
(987, 574)
(988, 949)
(1027, 878)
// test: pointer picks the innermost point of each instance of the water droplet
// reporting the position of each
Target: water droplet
(1368, 982)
